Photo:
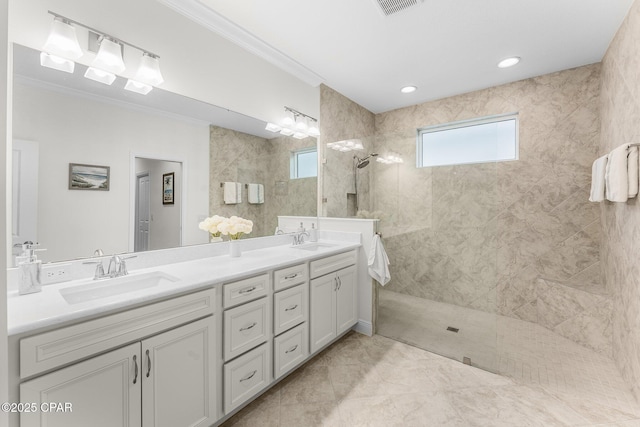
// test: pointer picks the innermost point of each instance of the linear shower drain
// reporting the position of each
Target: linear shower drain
(452, 329)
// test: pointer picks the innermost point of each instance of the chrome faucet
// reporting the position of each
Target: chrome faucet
(117, 266)
(298, 237)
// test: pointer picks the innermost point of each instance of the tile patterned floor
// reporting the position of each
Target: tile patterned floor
(376, 381)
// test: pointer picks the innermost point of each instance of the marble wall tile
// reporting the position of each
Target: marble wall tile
(239, 157)
(620, 124)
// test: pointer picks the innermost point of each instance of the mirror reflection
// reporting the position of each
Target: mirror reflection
(60, 119)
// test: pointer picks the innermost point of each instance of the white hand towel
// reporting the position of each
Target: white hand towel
(597, 179)
(632, 171)
(232, 193)
(617, 176)
(378, 262)
(256, 194)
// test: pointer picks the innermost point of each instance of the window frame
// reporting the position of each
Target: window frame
(463, 124)
(294, 162)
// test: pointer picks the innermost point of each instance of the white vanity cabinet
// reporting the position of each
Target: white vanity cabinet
(290, 318)
(167, 379)
(333, 290)
(247, 331)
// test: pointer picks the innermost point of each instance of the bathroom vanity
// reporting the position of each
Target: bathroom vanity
(196, 343)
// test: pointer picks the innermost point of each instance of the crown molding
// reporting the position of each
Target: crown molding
(196, 11)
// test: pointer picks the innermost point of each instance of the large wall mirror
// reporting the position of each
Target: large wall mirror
(97, 167)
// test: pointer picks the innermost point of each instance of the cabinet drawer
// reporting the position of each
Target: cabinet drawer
(246, 376)
(245, 327)
(290, 308)
(290, 349)
(65, 345)
(289, 276)
(245, 290)
(332, 263)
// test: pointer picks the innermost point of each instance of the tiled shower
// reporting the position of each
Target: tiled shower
(516, 244)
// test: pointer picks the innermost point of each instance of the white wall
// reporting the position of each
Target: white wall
(73, 223)
(164, 228)
(5, 137)
(195, 62)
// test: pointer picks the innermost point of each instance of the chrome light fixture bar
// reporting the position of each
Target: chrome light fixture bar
(62, 48)
(296, 124)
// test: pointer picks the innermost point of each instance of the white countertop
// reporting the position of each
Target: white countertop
(27, 313)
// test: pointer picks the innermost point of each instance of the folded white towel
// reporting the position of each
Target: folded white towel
(232, 193)
(632, 171)
(616, 175)
(255, 194)
(597, 179)
(379, 262)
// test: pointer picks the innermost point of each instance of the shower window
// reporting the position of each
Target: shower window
(304, 163)
(482, 140)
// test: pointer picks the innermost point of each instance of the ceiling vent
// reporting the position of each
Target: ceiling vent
(389, 7)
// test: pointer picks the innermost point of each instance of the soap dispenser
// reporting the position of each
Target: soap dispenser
(313, 233)
(30, 267)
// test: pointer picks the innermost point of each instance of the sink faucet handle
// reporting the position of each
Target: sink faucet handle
(99, 274)
(122, 271)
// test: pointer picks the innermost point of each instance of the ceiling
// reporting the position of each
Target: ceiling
(442, 47)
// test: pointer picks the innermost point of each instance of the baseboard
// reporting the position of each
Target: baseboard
(364, 327)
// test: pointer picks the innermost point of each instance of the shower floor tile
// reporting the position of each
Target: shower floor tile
(530, 354)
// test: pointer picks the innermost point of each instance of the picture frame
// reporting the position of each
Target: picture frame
(168, 188)
(89, 177)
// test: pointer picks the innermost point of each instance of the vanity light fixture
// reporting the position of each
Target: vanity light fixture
(99, 75)
(62, 41)
(346, 145)
(297, 124)
(390, 159)
(57, 63)
(62, 48)
(509, 62)
(409, 89)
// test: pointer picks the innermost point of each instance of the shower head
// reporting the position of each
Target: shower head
(360, 163)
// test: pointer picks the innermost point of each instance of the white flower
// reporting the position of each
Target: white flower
(235, 227)
(212, 224)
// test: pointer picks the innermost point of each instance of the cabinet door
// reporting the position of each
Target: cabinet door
(103, 391)
(178, 376)
(346, 300)
(323, 311)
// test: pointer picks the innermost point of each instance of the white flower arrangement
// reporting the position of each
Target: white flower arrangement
(234, 227)
(212, 225)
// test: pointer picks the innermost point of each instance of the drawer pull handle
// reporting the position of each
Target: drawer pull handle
(135, 363)
(246, 328)
(294, 348)
(148, 363)
(293, 307)
(335, 279)
(248, 290)
(247, 378)
(291, 276)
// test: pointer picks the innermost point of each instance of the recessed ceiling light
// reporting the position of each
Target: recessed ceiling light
(509, 62)
(408, 89)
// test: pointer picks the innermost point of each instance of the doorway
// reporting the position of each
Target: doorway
(156, 223)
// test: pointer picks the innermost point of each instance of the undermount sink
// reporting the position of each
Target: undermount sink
(93, 290)
(313, 246)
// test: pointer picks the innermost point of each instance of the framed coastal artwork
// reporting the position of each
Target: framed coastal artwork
(167, 188)
(88, 177)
